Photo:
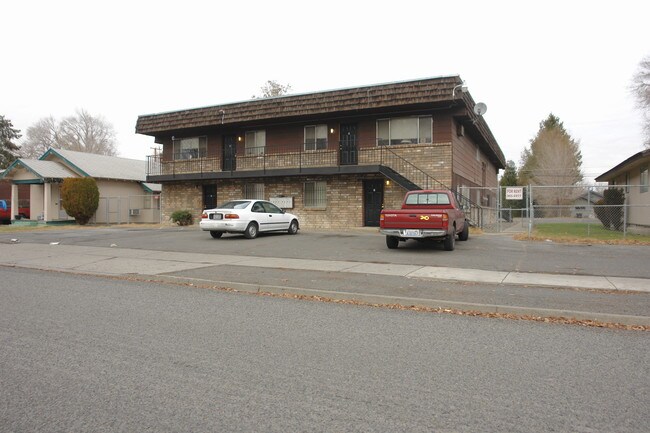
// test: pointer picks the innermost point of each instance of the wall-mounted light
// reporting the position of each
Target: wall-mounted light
(462, 87)
(387, 182)
(331, 130)
(239, 138)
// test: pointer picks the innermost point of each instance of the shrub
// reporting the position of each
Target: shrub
(80, 197)
(609, 209)
(182, 217)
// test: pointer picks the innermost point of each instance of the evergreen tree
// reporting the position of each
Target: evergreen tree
(509, 177)
(8, 148)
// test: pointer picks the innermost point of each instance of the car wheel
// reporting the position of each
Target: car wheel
(392, 242)
(464, 235)
(216, 235)
(450, 242)
(251, 231)
(293, 227)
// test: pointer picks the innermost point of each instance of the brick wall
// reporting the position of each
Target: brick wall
(181, 196)
(344, 207)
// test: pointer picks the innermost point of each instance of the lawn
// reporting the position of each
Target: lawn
(581, 232)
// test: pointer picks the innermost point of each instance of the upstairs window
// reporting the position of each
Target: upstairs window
(255, 142)
(405, 130)
(316, 137)
(188, 148)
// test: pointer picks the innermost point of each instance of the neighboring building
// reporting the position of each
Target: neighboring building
(334, 158)
(124, 194)
(583, 206)
(633, 173)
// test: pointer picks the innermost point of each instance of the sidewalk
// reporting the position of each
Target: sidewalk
(367, 282)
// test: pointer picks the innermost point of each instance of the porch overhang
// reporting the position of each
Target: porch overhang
(275, 172)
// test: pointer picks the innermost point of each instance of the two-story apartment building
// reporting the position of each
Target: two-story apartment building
(335, 158)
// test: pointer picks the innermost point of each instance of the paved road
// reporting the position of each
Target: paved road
(81, 353)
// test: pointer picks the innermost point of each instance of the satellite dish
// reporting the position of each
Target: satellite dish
(480, 109)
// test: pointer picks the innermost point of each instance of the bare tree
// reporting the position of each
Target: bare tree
(86, 133)
(641, 90)
(82, 132)
(272, 88)
(39, 137)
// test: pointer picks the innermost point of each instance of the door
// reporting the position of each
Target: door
(373, 199)
(229, 153)
(348, 144)
(209, 196)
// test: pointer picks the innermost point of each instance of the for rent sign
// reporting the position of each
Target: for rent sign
(514, 193)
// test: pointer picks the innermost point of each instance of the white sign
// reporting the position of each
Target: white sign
(282, 202)
(516, 193)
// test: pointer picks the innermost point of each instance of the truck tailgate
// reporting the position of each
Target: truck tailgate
(401, 219)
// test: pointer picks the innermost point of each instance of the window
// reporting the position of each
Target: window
(644, 179)
(188, 148)
(271, 208)
(151, 201)
(315, 194)
(255, 142)
(316, 137)
(405, 130)
(427, 198)
(254, 191)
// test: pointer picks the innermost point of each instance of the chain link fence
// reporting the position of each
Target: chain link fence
(581, 210)
(133, 209)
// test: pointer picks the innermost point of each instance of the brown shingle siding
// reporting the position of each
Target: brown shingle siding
(346, 100)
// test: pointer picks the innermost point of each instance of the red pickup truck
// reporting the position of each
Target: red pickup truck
(425, 215)
(5, 212)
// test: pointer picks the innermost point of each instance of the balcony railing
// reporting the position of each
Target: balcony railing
(402, 158)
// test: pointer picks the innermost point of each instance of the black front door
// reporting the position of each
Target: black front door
(209, 196)
(229, 153)
(348, 144)
(373, 198)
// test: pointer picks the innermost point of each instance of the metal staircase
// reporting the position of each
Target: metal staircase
(411, 177)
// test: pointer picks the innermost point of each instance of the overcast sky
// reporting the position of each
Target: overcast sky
(523, 59)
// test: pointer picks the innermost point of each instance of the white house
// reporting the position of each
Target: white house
(124, 194)
(633, 173)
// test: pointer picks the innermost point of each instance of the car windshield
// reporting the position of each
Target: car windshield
(237, 204)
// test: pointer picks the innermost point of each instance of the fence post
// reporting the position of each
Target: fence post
(531, 210)
(588, 207)
(499, 209)
(624, 215)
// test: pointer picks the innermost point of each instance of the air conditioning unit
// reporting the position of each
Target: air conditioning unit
(134, 212)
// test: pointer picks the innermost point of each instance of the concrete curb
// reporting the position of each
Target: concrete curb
(417, 302)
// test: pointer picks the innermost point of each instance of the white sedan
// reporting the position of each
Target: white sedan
(249, 217)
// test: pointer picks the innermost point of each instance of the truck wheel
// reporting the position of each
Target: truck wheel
(464, 235)
(450, 242)
(392, 242)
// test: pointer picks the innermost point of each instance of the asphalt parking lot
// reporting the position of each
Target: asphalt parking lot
(493, 252)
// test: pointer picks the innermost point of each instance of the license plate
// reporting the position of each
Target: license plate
(216, 216)
(411, 232)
